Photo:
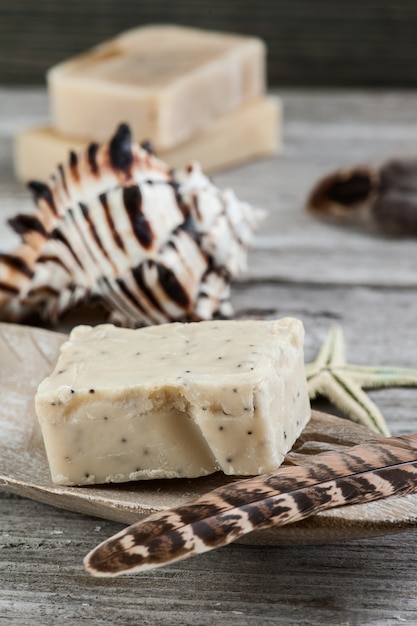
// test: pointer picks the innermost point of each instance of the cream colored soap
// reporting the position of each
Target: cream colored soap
(176, 400)
(252, 131)
(166, 81)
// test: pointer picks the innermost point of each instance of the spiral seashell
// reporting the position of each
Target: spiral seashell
(117, 226)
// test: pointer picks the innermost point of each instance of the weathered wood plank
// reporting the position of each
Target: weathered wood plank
(42, 548)
(321, 132)
(370, 581)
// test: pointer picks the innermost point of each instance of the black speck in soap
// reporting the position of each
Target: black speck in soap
(137, 354)
(188, 371)
(221, 427)
(61, 371)
(87, 475)
(219, 357)
(229, 459)
(123, 439)
(235, 390)
(53, 403)
(145, 451)
(249, 432)
(91, 391)
(285, 435)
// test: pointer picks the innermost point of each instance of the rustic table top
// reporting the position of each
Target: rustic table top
(320, 273)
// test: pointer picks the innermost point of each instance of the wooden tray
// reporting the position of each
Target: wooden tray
(28, 354)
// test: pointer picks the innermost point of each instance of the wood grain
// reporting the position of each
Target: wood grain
(337, 279)
(336, 256)
(360, 582)
(27, 356)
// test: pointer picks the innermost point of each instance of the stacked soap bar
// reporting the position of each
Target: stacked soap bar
(167, 82)
(173, 401)
(188, 91)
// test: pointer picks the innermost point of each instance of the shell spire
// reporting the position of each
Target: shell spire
(117, 225)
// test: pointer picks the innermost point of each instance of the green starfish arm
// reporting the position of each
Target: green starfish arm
(380, 377)
(317, 384)
(348, 396)
(332, 352)
(361, 408)
(312, 369)
(342, 384)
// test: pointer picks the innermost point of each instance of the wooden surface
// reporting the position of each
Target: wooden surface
(301, 267)
(26, 356)
(361, 42)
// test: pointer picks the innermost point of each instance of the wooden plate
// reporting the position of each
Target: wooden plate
(28, 354)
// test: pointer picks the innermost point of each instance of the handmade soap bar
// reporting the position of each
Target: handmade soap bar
(176, 400)
(250, 132)
(165, 81)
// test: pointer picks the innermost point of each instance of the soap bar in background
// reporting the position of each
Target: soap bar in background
(252, 131)
(167, 82)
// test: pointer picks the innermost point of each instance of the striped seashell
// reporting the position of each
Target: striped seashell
(118, 227)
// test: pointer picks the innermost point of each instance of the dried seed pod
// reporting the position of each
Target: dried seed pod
(118, 226)
(381, 198)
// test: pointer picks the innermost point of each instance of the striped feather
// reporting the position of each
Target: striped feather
(116, 225)
(366, 472)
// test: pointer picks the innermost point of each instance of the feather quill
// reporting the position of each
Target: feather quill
(366, 472)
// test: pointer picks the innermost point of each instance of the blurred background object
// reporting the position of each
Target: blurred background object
(322, 43)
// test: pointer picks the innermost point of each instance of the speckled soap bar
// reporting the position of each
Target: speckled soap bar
(175, 400)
